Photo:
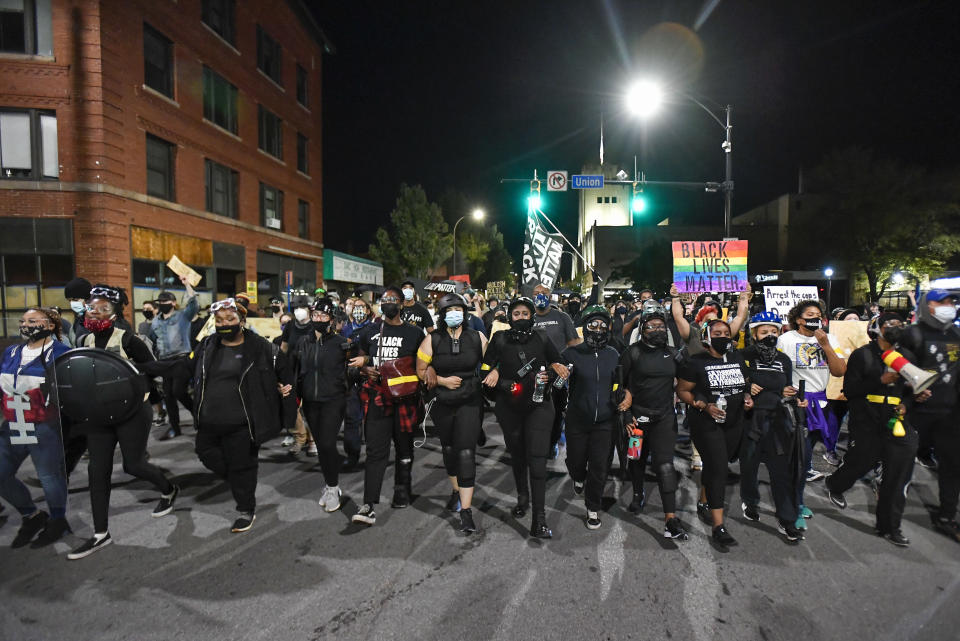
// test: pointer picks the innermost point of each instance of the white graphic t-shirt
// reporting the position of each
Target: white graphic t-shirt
(809, 360)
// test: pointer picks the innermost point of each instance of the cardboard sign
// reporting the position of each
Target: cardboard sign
(710, 266)
(851, 335)
(268, 328)
(180, 268)
(781, 298)
(497, 288)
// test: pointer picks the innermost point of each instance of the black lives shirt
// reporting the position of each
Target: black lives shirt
(649, 373)
(713, 377)
(417, 315)
(389, 342)
(222, 404)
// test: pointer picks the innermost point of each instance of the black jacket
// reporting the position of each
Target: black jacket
(864, 369)
(591, 382)
(320, 367)
(264, 365)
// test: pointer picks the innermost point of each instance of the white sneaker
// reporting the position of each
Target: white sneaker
(696, 463)
(287, 441)
(330, 501)
(312, 449)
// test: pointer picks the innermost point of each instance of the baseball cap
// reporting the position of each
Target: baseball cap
(939, 295)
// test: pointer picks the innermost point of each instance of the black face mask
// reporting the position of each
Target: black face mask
(228, 332)
(720, 343)
(321, 326)
(390, 310)
(596, 340)
(767, 348)
(893, 335)
(165, 308)
(655, 338)
(34, 333)
(620, 310)
(148, 314)
(813, 324)
(275, 308)
(522, 328)
(768, 341)
(573, 308)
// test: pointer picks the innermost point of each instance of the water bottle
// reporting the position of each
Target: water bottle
(560, 381)
(722, 406)
(540, 387)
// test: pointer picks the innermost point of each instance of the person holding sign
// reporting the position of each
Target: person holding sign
(714, 384)
(172, 329)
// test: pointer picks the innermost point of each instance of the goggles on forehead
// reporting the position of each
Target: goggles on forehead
(108, 293)
(227, 303)
(102, 309)
(389, 299)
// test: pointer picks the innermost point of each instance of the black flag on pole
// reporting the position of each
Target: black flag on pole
(541, 254)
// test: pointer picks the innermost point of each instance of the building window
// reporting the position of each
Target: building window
(303, 96)
(221, 185)
(303, 154)
(271, 207)
(157, 61)
(303, 219)
(28, 145)
(614, 200)
(606, 200)
(268, 55)
(219, 100)
(160, 168)
(16, 26)
(599, 200)
(218, 15)
(271, 132)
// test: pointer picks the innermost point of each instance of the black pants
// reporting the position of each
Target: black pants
(659, 439)
(380, 430)
(353, 420)
(74, 444)
(175, 388)
(944, 433)
(718, 444)
(868, 447)
(323, 419)
(228, 452)
(527, 436)
(458, 427)
(783, 483)
(559, 398)
(102, 442)
(588, 445)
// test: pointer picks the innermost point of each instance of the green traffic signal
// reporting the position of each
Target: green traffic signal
(638, 205)
(533, 201)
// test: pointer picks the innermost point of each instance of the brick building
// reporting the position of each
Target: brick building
(131, 130)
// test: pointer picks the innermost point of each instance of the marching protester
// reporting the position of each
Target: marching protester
(361, 316)
(31, 427)
(293, 332)
(104, 307)
(320, 374)
(814, 356)
(935, 340)
(881, 430)
(713, 383)
(172, 329)
(516, 362)
(243, 386)
(649, 368)
(591, 411)
(77, 291)
(770, 433)
(393, 406)
(413, 313)
(492, 303)
(448, 361)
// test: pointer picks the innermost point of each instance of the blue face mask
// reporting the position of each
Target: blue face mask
(453, 318)
(541, 301)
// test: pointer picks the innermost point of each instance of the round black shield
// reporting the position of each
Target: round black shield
(97, 387)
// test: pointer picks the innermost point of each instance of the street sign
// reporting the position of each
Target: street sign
(288, 278)
(252, 290)
(556, 180)
(586, 182)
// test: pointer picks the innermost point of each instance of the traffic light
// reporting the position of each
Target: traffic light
(533, 200)
(638, 204)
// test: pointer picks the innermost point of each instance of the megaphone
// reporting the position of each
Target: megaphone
(919, 379)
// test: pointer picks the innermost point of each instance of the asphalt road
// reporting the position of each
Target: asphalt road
(302, 574)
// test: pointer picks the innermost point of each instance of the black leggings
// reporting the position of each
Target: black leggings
(324, 419)
(380, 430)
(659, 439)
(783, 485)
(459, 429)
(102, 442)
(527, 436)
(228, 452)
(588, 446)
(718, 444)
(175, 388)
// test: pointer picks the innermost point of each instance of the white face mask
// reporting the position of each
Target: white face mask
(407, 293)
(301, 315)
(77, 306)
(945, 313)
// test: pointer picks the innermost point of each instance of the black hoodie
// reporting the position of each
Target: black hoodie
(937, 349)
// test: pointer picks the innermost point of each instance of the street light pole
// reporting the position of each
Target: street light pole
(728, 178)
(828, 272)
(477, 214)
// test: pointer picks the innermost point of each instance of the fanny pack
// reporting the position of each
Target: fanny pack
(398, 378)
(469, 389)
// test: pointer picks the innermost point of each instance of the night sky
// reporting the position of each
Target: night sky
(461, 94)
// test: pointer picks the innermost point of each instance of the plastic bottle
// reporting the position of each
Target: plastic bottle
(540, 387)
(721, 405)
(560, 381)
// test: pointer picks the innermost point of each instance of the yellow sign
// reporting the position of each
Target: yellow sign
(252, 290)
(180, 268)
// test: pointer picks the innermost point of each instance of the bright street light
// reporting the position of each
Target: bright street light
(644, 98)
(478, 214)
(828, 272)
(898, 278)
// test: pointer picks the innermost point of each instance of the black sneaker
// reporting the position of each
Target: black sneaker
(578, 488)
(789, 531)
(673, 529)
(90, 546)
(52, 532)
(703, 511)
(244, 522)
(593, 521)
(520, 510)
(453, 503)
(165, 505)
(722, 537)
(836, 498)
(365, 515)
(639, 500)
(30, 527)
(949, 527)
(897, 538)
(750, 512)
(539, 529)
(466, 521)
(401, 497)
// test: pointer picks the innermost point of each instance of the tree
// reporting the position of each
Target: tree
(416, 241)
(480, 248)
(881, 216)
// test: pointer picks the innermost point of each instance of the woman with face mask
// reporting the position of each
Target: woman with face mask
(103, 309)
(26, 379)
(448, 361)
(320, 374)
(300, 327)
(714, 384)
(516, 361)
(770, 436)
(649, 369)
(242, 384)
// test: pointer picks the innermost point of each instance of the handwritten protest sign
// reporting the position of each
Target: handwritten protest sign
(780, 298)
(850, 335)
(180, 268)
(715, 266)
